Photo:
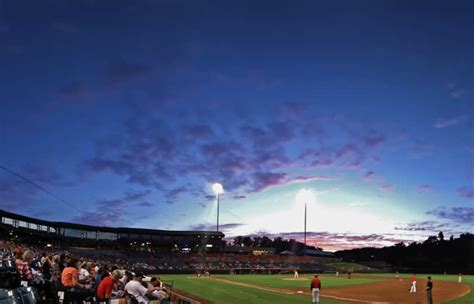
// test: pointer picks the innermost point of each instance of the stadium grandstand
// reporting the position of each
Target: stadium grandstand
(36, 255)
(83, 235)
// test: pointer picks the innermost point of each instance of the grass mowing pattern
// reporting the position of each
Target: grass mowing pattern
(224, 293)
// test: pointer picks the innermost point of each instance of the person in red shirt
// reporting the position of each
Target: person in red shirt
(104, 290)
(315, 289)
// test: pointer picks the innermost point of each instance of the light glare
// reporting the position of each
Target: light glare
(217, 188)
(305, 196)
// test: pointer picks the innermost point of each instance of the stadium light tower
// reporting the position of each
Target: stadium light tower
(218, 189)
(305, 196)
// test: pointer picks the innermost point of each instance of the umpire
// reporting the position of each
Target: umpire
(429, 288)
(315, 289)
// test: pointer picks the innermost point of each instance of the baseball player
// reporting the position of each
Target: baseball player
(460, 278)
(296, 275)
(413, 284)
(315, 289)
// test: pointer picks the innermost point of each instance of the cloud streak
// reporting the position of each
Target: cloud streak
(467, 192)
(451, 121)
(463, 215)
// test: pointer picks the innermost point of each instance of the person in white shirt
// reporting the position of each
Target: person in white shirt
(137, 290)
(83, 272)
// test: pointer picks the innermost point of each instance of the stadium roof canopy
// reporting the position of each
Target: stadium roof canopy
(57, 225)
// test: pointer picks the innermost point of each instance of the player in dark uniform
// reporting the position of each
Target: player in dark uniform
(429, 288)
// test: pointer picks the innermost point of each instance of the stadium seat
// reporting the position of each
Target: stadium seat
(9, 297)
(28, 295)
(9, 276)
(130, 299)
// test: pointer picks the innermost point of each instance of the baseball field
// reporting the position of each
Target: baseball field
(284, 289)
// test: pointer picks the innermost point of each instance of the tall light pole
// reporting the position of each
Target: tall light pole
(218, 189)
(305, 196)
(305, 203)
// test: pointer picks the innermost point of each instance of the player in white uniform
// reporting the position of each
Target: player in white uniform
(296, 275)
(413, 284)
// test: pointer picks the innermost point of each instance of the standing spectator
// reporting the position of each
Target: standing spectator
(429, 288)
(105, 288)
(55, 271)
(315, 288)
(46, 266)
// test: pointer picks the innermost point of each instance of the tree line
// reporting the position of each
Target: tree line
(436, 254)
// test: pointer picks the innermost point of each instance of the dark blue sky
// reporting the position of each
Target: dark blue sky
(130, 110)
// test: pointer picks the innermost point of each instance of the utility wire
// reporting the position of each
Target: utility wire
(41, 188)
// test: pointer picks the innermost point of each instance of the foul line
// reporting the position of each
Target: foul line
(254, 286)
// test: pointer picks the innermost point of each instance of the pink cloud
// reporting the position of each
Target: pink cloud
(263, 180)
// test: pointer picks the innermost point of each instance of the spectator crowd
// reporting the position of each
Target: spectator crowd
(64, 277)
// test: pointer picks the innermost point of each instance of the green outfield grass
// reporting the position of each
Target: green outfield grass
(225, 293)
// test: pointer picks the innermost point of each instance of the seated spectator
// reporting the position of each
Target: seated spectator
(83, 273)
(105, 288)
(127, 277)
(23, 262)
(161, 292)
(136, 290)
(69, 279)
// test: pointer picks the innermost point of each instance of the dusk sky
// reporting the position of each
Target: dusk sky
(128, 111)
